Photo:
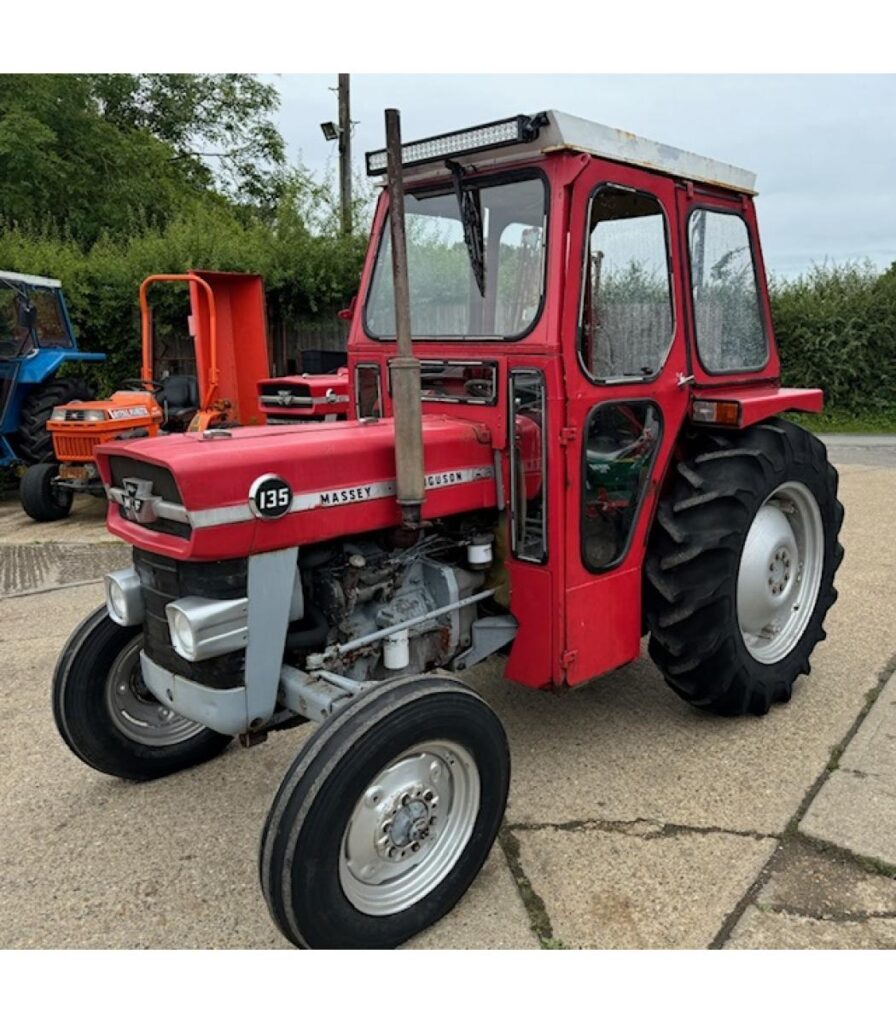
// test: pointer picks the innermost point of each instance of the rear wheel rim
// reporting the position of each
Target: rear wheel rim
(409, 827)
(779, 577)
(135, 712)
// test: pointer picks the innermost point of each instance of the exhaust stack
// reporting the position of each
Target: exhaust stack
(405, 366)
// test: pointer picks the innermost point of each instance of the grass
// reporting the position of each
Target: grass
(831, 421)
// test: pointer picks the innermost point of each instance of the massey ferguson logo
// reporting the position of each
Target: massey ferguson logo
(136, 500)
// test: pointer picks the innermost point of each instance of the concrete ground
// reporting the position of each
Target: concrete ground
(634, 820)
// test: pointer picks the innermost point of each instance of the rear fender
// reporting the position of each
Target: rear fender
(738, 408)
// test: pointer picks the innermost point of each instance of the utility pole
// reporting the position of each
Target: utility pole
(345, 154)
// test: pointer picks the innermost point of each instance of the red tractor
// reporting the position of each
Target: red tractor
(581, 446)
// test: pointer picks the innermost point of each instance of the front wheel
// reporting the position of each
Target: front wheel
(109, 719)
(740, 568)
(41, 496)
(386, 816)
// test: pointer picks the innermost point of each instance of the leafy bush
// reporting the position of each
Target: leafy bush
(836, 329)
(308, 273)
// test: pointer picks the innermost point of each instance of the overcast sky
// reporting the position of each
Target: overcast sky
(824, 147)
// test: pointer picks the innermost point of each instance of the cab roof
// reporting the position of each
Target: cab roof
(524, 136)
(32, 279)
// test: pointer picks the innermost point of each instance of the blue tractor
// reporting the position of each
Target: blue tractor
(36, 339)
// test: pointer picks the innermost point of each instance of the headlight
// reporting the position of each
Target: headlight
(58, 413)
(94, 415)
(115, 601)
(124, 597)
(182, 635)
(201, 628)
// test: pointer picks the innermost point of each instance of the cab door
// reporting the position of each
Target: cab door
(627, 375)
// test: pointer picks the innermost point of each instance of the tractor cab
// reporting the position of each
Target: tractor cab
(36, 340)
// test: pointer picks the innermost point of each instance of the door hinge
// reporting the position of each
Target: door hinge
(567, 658)
(567, 435)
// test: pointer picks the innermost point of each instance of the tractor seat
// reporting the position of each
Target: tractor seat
(179, 399)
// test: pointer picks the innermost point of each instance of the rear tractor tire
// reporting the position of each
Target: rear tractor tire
(41, 497)
(386, 816)
(740, 567)
(109, 719)
(33, 442)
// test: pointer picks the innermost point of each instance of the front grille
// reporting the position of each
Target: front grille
(68, 447)
(163, 483)
(163, 486)
(285, 395)
(164, 580)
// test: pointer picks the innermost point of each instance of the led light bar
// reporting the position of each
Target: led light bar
(509, 132)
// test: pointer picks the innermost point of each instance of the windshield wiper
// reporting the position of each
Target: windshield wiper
(471, 218)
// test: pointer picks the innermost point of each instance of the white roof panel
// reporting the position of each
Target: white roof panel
(559, 131)
(43, 282)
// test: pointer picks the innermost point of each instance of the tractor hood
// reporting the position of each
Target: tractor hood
(234, 493)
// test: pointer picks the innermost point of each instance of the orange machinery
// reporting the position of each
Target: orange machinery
(228, 327)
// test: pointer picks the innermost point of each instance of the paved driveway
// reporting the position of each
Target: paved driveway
(634, 821)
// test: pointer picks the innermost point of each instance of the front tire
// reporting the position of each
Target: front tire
(33, 442)
(740, 567)
(107, 716)
(41, 497)
(386, 816)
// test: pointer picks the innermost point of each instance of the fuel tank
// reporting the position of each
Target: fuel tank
(194, 496)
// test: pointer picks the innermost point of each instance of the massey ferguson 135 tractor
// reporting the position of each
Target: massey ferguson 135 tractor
(227, 323)
(595, 454)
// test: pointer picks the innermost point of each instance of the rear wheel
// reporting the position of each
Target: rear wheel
(386, 816)
(740, 568)
(41, 496)
(109, 719)
(33, 442)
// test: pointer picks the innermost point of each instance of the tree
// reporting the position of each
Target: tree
(88, 155)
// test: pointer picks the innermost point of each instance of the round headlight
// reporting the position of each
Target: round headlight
(183, 634)
(117, 603)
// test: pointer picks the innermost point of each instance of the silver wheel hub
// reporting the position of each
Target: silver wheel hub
(409, 827)
(779, 576)
(134, 710)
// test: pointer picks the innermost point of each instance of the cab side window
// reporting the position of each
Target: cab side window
(626, 321)
(727, 316)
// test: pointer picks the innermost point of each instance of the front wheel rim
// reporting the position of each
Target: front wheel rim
(779, 577)
(409, 827)
(135, 712)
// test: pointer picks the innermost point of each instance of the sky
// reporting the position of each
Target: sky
(823, 146)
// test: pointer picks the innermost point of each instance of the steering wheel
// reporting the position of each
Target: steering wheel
(478, 388)
(154, 387)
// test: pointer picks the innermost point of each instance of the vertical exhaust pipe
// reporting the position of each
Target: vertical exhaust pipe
(405, 366)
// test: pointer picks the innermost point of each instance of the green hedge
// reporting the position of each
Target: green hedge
(308, 274)
(836, 329)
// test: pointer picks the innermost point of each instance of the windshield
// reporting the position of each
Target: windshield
(28, 316)
(446, 300)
